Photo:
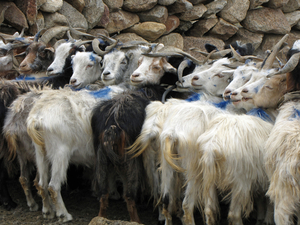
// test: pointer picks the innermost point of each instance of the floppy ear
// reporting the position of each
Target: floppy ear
(169, 68)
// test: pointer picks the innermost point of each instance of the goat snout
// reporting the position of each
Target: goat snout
(106, 73)
(195, 78)
(50, 70)
(135, 75)
(227, 92)
(245, 90)
(234, 93)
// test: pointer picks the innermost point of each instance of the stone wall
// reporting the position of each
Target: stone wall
(182, 23)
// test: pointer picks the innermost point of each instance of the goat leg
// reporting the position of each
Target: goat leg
(103, 205)
(131, 207)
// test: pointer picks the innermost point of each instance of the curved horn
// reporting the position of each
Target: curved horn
(291, 64)
(215, 55)
(37, 35)
(70, 38)
(52, 32)
(74, 31)
(95, 45)
(79, 43)
(270, 60)
(209, 56)
(108, 39)
(110, 47)
(167, 92)
(184, 64)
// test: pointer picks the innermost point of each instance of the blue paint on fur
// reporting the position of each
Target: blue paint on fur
(194, 97)
(102, 93)
(295, 115)
(20, 39)
(258, 112)
(256, 89)
(92, 57)
(215, 85)
(222, 105)
(23, 77)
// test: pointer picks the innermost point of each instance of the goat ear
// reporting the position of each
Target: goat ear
(49, 49)
(169, 68)
(227, 72)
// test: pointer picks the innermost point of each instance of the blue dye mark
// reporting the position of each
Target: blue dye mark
(92, 57)
(247, 61)
(102, 93)
(194, 97)
(258, 112)
(256, 89)
(222, 105)
(23, 77)
(215, 85)
(243, 78)
(295, 115)
(20, 39)
(101, 41)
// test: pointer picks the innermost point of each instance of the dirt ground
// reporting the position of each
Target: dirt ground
(84, 207)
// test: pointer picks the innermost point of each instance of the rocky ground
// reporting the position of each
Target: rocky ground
(84, 207)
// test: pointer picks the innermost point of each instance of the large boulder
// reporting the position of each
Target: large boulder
(121, 20)
(51, 6)
(173, 39)
(93, 12)
(235, 10)
(138, 5)
(148, 30)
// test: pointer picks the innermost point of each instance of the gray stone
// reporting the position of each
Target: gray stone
(103, 22)
(166, 2)
(125, 37)
(180, 6)
(266, 20)
(98, 31)
(297, 26)
(13, 15)
(214, 7)
(196, 2)
(173, 39)
(93, 12)
(77, 4)
(29, 9)
(256, 3)
(235, 11)
(51, 6)
(158, 14)
(245, 36)
(39, 3)
(148, 30)
(114, 5)
(54, 19)
(277, 3)
(138, 5)
(75, 18)
(223, 30)
(199, 42)
(184, 26)
(202, 26)
(291, 6)
(121, 20)
(293, 17)
(194, 14)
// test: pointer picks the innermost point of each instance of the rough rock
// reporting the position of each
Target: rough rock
(158, 14)
(202, 26)
(13, 15)
(291, 6)
(148, 30)
(171, 24)
(39, 3)
(277, 3)
(102, 221)
(121, 20)
(125, 37)
(194, 14)
(245, 36)
(214, 7)
(103, 22)
(54, 19)
(199, 42)
(223, 30)
(77, 4)
(51, 6)
(97, 31)
(114, 5)
(256, 3)
(235, 11)
(93, 12)
(293, 17)
(266, 20)
(39, 24)
(184, 26)
(75, 18)
(138, 5)
(173, 39)
(196, 2)
(180, 6)
(166, 2)
(29, 9)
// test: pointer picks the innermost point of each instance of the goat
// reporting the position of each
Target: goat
(281, 158)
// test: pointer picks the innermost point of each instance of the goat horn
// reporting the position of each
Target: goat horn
(59, 42)
(108, 39)
(169, 89)
(215, 55)
(184, 64)
(52, 32)
(110, 47)
(290, 65)
(70, 38)
(270, 60)
(37, 35)
(79, 43)
(209, 56)
(75, 31)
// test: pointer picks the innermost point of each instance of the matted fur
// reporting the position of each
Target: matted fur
(282, 162)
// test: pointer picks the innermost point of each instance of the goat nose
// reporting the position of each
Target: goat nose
(227, 91)
(105, 73)
(234, 93)
(135, 75)
(50, 69)
(73, 81)
(245, 90)
(22, 65)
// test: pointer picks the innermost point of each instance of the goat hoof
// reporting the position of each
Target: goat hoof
(65, 218)
(48, 215)
(34, 207)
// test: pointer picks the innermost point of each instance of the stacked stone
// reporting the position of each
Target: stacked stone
(181, 23)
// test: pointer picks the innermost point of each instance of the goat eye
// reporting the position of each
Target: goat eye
(269, 87)
(229, 80)
(124, 61)
(219, 75)
(89, 65)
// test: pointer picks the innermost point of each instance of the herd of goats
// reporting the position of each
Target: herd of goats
(156, 119)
